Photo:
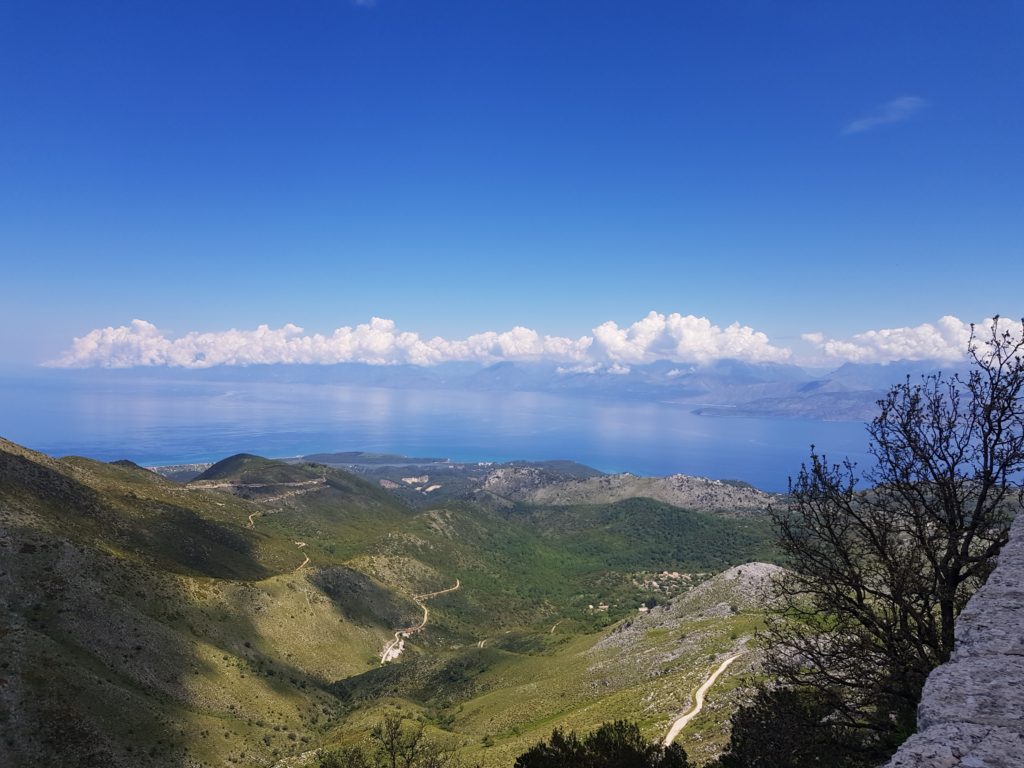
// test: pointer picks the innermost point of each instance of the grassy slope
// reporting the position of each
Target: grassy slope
(246, 468)
(519, 686)
(522, 573)
(147, 625)
(531, 567)
(159, 600)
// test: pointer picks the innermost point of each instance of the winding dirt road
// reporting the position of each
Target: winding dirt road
(304, 563)
(310, 488)
(298, 488)
(429, 595)
(396, 646)
(299, 544)
(681, 722)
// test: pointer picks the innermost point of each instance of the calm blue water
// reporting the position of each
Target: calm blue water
(156, 421)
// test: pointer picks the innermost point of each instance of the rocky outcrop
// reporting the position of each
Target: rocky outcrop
(536, 486)
(970, 714)
(740, 588)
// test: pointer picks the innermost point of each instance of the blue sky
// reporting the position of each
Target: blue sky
(468, 166)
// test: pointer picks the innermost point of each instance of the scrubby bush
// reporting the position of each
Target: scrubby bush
(612, 745)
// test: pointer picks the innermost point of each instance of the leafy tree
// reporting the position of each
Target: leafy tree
(561, 749)
(612, 745)
(789, 728)
(877, 577)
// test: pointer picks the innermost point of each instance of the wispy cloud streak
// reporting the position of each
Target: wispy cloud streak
(895, 111)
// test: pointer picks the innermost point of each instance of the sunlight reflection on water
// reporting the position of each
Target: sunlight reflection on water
(154, 422)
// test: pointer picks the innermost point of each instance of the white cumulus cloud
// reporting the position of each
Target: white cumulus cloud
(609, 348)
(686, 338)
(945, 340)
(380, 342)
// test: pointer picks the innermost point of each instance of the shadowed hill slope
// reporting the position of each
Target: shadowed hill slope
(144, 623)
(240, 619)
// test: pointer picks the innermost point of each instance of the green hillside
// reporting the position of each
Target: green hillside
(246, 468)
(146, 624)
(240, 619)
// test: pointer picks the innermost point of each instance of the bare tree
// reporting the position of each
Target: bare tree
(877, 577)
(397, 746)
(401, 745)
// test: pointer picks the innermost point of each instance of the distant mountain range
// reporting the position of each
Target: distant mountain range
(721, 388)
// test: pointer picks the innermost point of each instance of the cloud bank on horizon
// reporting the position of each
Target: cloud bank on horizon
(611, 348)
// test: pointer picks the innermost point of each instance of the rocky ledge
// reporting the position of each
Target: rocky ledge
(970, 714)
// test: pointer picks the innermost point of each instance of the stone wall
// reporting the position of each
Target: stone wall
(972, 708)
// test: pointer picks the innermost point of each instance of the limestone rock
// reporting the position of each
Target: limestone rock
(972, 709)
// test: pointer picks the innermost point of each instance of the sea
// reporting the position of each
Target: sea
(153, 420)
